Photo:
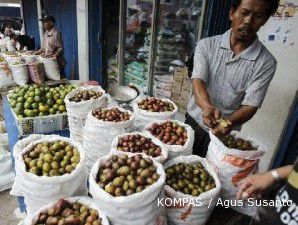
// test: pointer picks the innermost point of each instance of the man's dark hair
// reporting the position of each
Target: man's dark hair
(273, 5)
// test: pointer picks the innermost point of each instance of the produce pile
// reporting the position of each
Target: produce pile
(122, 175)
(38, 100)
(232, 142)
(52, 159)
(66, 213)
(169, 133)
(138, 143)
(155, 105)
(85, 95)
(191, 179)
(111, 114)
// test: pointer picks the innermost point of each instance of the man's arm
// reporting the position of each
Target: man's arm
(210, 113)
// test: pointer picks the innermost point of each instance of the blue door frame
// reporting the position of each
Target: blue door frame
(288, 150)
(65, 13)
(95, 40)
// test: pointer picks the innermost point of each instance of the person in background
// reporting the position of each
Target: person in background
(52, 45)
(231, 73)
(255, 185)
(8, 31)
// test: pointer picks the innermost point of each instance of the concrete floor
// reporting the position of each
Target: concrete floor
(8, 204)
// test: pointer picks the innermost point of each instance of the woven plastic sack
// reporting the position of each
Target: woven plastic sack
(51, 68)
(20, 74)
(36, 72)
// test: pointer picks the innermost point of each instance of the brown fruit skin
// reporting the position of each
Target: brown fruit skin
(52, 221)
(61, 205)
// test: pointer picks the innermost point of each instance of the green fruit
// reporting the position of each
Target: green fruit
(50, 102)
(48, 158)
(59, 101)
(20, 99)
(27, 105)
(62, 108)
(31, 94)
(34, 105)
(43, 108)
(52, 111)
(37, 99)
(30, 99)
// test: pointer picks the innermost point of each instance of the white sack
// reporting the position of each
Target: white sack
(51, 68)
(77, 111)
(197, 209)
(20, 74)
(177, 150)
(98, 136)
(144, 117)
(164, 151)
(81, 199)
(233, 165)
(138, 209)
(40, 190)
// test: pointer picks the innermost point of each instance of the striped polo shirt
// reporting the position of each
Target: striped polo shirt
(232, 81)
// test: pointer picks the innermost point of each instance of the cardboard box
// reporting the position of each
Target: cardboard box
(41, 124)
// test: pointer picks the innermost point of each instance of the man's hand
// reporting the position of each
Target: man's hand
(255, 185)
(210, 115)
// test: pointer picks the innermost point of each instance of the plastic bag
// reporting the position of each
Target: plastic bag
(40, 190)
(233, 165)
(196, 210)
(51, 68)
(138, 209)
(29, 58)
(77, 111)
(144, 117)
(177, 150)
(6, 79)
(164, 151)
(20, 74)
(98, 136)
(81, 199)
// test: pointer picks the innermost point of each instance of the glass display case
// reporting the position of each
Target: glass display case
(155, 37)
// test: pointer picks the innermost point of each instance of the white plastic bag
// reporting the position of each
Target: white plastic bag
(196, 210)
(144, 117)
(164, 151)
(6, 79)
(233, 165)
(14, 59)
(137, 209)
(177, 150)
(20, 74)
(77, 111)
(40, 190)
(81, 199)
(98, 136)
(51, 68)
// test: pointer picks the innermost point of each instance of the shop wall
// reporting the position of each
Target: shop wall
(65, 13)
(267, 125)
(31, 20)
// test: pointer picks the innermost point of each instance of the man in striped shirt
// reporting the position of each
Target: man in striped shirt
(231, 73)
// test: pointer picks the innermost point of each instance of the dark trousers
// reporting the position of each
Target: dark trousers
(202, 138)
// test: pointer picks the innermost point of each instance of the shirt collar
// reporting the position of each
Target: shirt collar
(250, 53)
(50, 32)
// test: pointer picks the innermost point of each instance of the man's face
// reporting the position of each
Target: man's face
(248, 18)
(47, 25)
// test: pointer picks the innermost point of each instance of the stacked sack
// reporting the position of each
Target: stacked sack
(151, 109)
(6, 79)
(48, 167)
(102, 125)
(127, 188)
(78, 104)
(178, 137)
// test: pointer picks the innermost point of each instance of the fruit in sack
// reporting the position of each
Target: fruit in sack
(155, 105)
(112, 115)
(85, 95)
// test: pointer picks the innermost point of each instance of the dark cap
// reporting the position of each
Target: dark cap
(48, 18)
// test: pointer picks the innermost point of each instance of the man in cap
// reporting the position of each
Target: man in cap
(52, 45)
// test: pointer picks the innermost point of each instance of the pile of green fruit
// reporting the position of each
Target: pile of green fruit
(52, 159)
(155, 105)
(232, 142)
(122, 175)
(2, 59)
(191, 179)
(138, 143)
(38, 100)
(85, 95)
(66, 213)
